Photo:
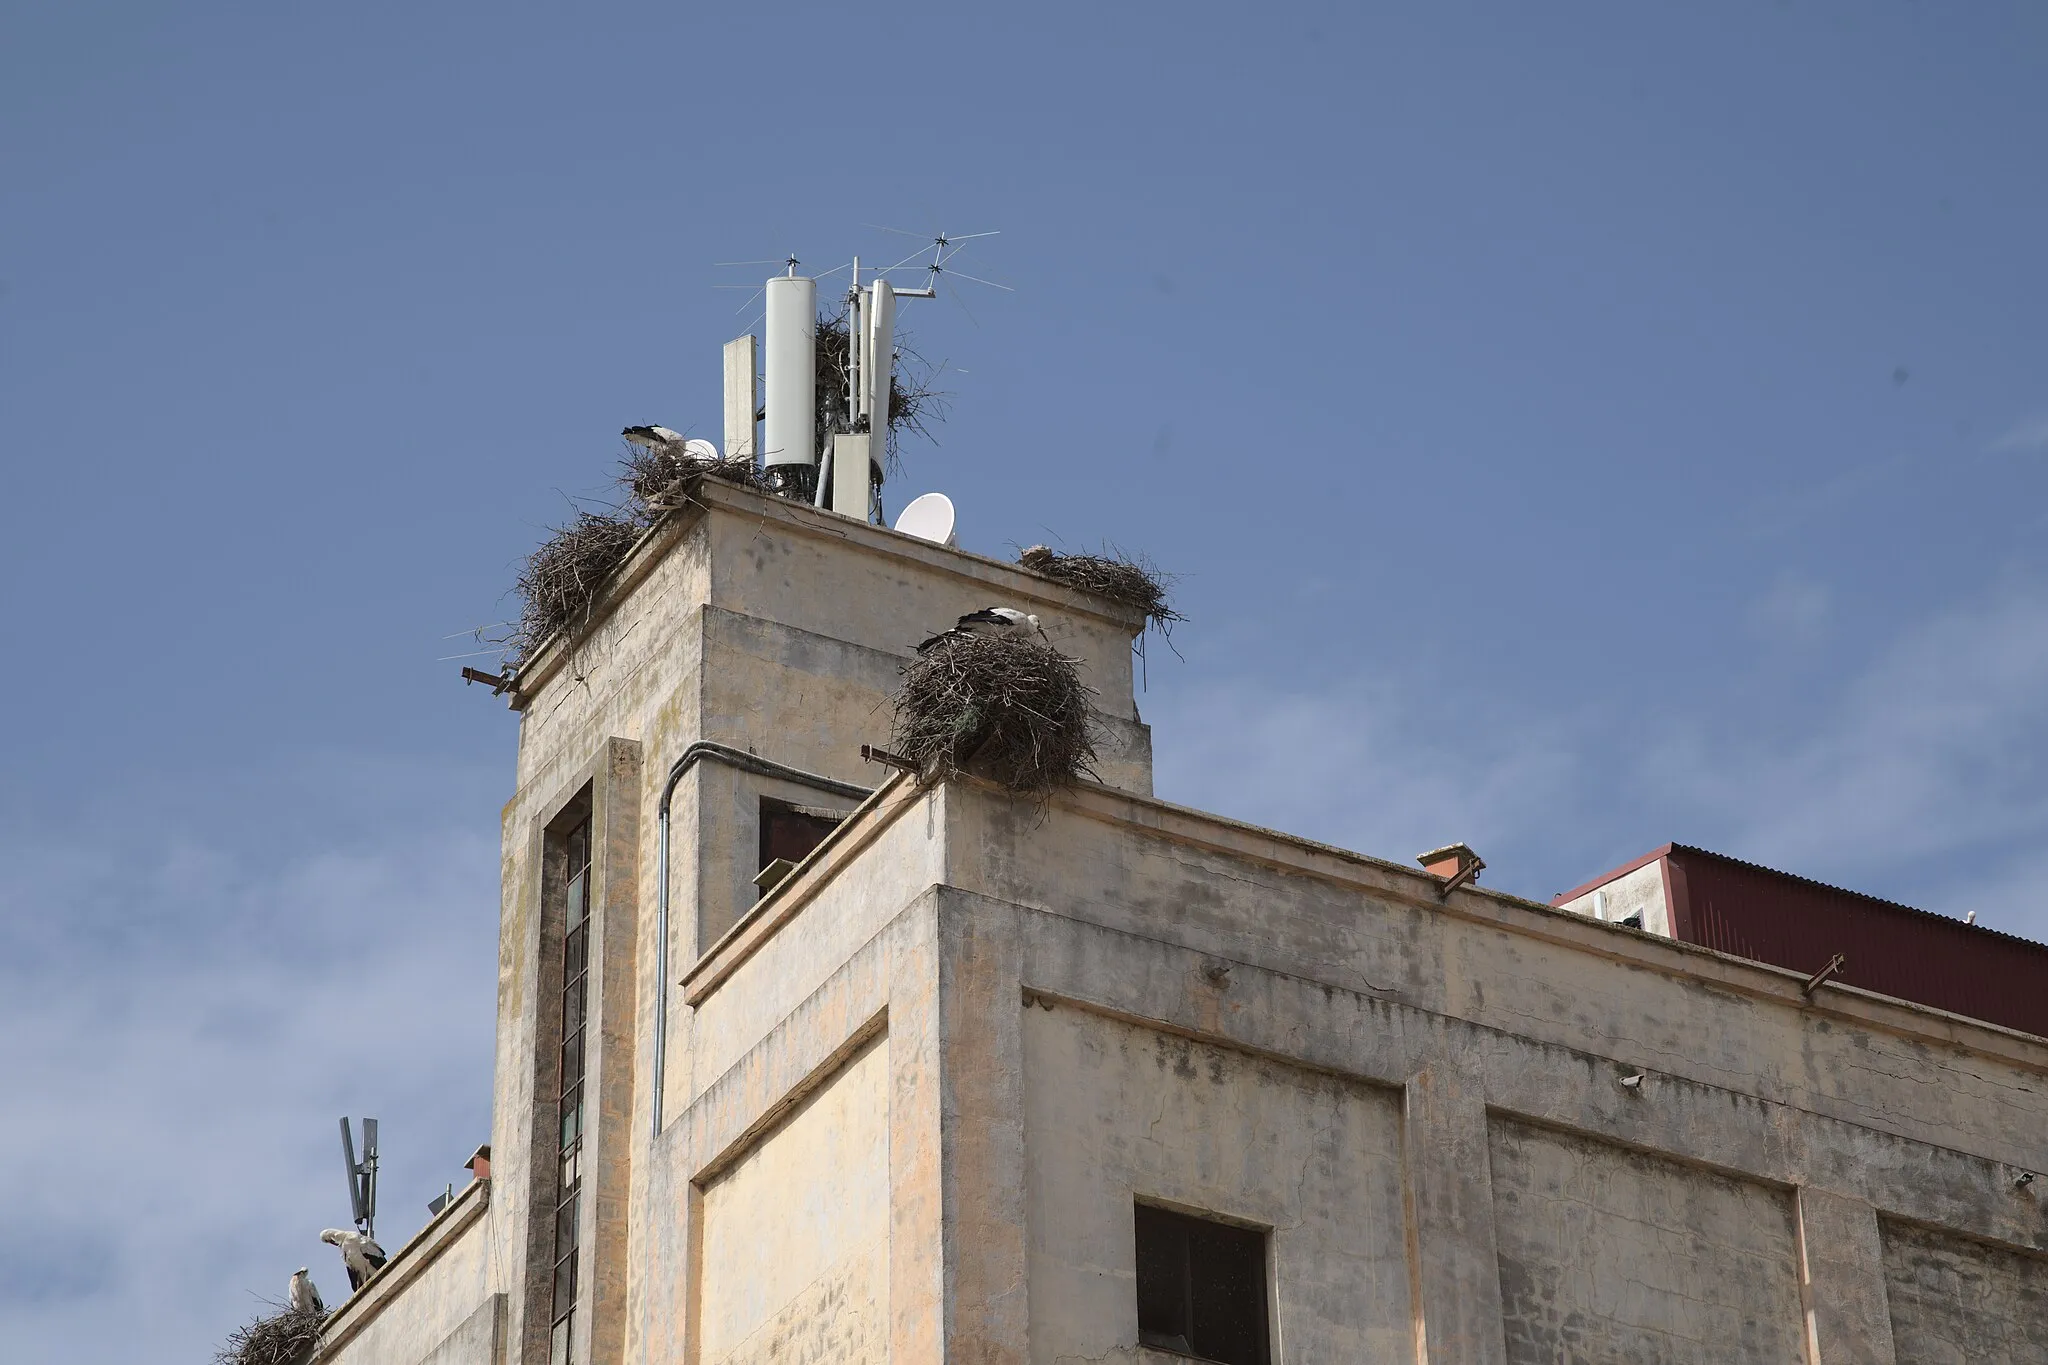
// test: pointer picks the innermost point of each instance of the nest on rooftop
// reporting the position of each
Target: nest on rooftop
(281, 1338)
(559, 581)
(1131, 580)
(912, 400)
(1007, 707)
(658, 481)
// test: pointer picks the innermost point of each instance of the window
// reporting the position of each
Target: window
(791, 832)
(569, 1104)
(1201, 1287)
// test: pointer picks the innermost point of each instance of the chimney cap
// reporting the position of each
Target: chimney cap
(1450, 860)
(481, 1156)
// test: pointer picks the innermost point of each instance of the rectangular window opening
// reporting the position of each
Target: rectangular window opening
(789, 832)
(1201, 1287)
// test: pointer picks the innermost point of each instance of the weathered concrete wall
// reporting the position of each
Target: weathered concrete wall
(1610, 1254)
(873, 1139)
(480, 1340)
(1957, 1302)
(795, 1262)
(1115, 1112)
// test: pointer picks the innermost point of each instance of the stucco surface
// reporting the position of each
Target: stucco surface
(1957, 1302)
(1419, 1098)
(796, 1234)
(478, 1341)
(1611, 1254)
(1116, 1112)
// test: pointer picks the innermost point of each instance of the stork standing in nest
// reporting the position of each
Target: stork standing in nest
(987, 621)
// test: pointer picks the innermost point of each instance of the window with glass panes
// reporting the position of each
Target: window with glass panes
(569, 1105)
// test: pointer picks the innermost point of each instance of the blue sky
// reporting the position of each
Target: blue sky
(1577, 427)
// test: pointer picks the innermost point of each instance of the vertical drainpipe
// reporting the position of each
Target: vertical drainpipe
(668, 792)
(746, 762)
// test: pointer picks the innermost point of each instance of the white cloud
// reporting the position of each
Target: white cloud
(1933, 749)
(1792, 609)
(1370, 765)
(1921, 776)
(185, 1025)
(2029, 436)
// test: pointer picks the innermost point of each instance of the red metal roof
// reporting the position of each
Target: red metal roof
(1791, 921)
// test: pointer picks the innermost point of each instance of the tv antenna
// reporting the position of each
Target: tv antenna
(944, 247)
(823, 453)
(362, 1176)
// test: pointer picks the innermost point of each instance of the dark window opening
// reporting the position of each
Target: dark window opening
(1201, 1287)
(569, 1090)
(791, 832)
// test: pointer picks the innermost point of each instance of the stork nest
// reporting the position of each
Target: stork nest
(283, 1338)
(912, 399)
(1005, 707)
(1127, 579)
(659, 481)
(559, 581)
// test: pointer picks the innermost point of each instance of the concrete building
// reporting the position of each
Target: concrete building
(1112, 1080)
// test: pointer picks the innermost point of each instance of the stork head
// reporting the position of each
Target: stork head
(333, 1236)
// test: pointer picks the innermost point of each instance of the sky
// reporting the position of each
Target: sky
(1574, 428)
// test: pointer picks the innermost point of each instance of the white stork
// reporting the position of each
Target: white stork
(360, 1256)
(653, 438)
(987, 621)
(304, 1296)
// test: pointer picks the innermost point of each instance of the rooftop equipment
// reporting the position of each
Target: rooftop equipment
(789, 436)
(362, 1176)
(929, 517)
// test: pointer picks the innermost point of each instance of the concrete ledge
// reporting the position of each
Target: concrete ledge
(716, 496)
(406, 1265)
(859, 829)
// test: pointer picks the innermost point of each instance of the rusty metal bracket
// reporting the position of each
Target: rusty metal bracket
(1835, 965)
(1462, 877)
(870, 754)
(498, 683)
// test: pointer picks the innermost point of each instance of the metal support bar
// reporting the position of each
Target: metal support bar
(1835, 965)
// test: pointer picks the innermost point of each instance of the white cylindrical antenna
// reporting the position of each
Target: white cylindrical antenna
(789, 428)
(879, 348)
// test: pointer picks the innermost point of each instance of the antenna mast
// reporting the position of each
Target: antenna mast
(362, 1176)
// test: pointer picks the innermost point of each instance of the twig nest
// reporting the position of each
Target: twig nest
(1131, 580)
(658, 481)
(559, 581)
(1006, 707)
(286, 1338)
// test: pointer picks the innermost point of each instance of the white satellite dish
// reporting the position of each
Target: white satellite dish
(929, 517)
(697, 448)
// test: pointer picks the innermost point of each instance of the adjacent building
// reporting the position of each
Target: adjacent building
(1107, 1079)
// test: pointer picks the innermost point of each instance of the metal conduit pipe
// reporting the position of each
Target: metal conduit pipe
(746, 762)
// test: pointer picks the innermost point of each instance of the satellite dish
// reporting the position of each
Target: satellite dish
(929, 517)
(698, 448)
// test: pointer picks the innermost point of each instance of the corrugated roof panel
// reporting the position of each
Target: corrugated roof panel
(1756, 912)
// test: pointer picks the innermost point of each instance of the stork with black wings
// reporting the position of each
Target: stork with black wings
(987, 621)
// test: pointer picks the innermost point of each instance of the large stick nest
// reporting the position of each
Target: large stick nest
(559, 581)
(1131, 580)
(284, 1338)
(659, 481)
(1006, 707)
(912, 400)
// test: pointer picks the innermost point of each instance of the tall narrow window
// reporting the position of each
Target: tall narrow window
(569, 1104)
(1201, 1287)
